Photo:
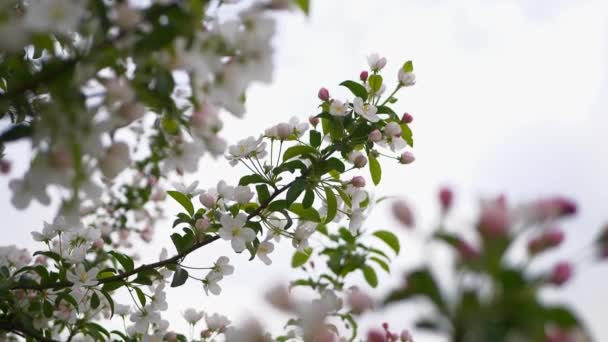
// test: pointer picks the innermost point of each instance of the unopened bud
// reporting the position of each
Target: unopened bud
(403, 213)
(314, 121)
(360, 161)
(376, 335)
(494, 220)
(323, 94)
(207, 199)
(358, 182)
(446, 197)
(60, 159)
(561, 273)
(406, 336)
(5, 166)
(171, 337)
(284, 130)
(392, 129)
(375, 135)
(407, 158)
(127, 17)
(202, 225)
(363, 75)
(407, 118)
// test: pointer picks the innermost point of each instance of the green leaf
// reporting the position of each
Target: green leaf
(389, 238)
(315, 138)
(252, 179)
(332, 164)
(309, 198)
(346, 235)
(183, 200)
(332, 204)
(307, 214)
(357, 89)
(370, 275)
(375, 169)
(112, 285)
(263, 193)
(408, 66)
(300, 258)
(140, 295)
(110, 301)
(278, 205)
(298, 186)
(375, 82)
(47, 308)
(94, 301)
(179, 277)
(124, 260)
(304, 5)
(297, 150)
(381, 263)
(406, 134)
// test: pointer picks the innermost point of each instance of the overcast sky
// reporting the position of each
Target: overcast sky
(511, 97)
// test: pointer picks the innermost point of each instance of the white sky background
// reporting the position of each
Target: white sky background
(511, 97)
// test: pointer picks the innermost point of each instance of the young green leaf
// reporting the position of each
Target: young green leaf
(300, 258)
(183, 200)
(307, 214)
(357, 89)
(332, 204)
(179, 277)
(370, 275)
(315, 138)
(389, 238)
(375, 82)
(297, 150)
(375, 169)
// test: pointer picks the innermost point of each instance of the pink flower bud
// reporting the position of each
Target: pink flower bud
(406, 336)
(392, 129)
(358, 182)
(284, 130)
(98, 243)
(363, 75)
(40, 260)
(207, 199)
(375, 135)
(561, 273)
(116, 159)
(385, 326)
(59, 158)
(123, 234)
(407, 158)
(147, 234)
(403, 213)
(5, 166)
(131, 111)
(376, 335)
(127, 17)
(536, 245)
(446, 197)
(494, 220)
(466, 250)
(553, 237)
(407, 118)
(359, 302)
(360, 161)
(323, 94)
(171, 337)
(314, 121)
(202, 225)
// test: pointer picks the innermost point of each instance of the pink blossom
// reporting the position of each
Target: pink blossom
(5, 166)
(359, 302)
(207, 199)
(466, 250)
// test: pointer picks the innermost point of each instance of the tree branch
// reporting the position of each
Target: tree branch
(174, 259)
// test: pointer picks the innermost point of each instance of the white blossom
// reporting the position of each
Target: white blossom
(338, 108)
(222, 267)
(247, 148)
(61, 16)
(80, 277)
(366, 110)
(217, 322)
(375, 62)
(192, 316)
(242, 194)
(233, 229)
(264, 249)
